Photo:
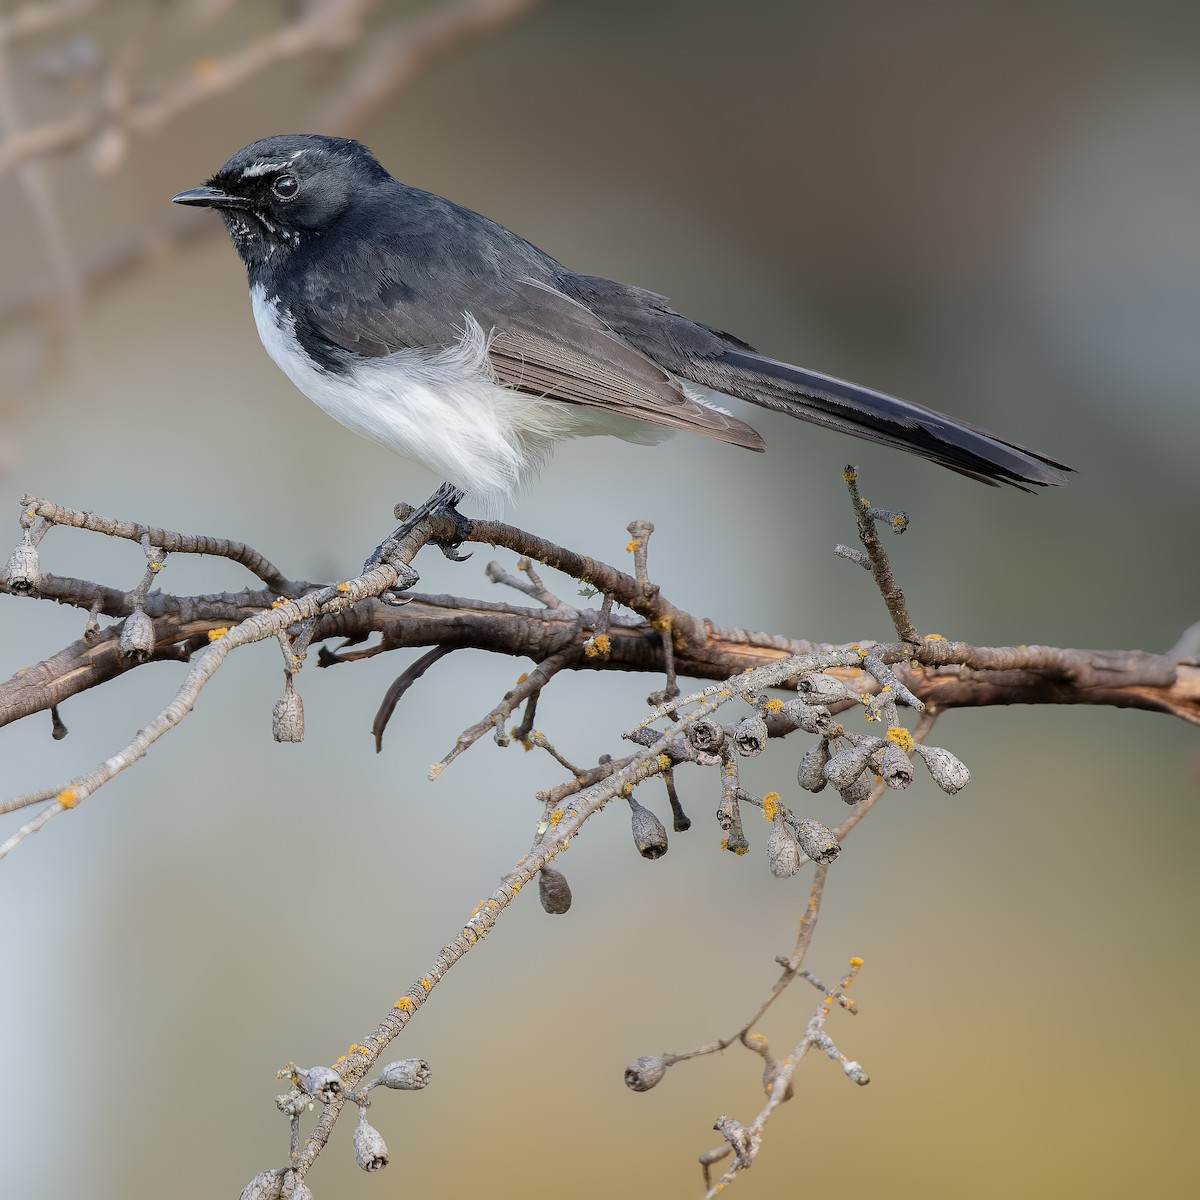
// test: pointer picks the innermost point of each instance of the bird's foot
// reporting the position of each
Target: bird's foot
(442, 503)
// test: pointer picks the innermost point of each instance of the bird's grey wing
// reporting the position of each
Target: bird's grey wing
(543, 343)
(707, 356)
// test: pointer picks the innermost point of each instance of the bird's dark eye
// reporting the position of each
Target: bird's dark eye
(286, 186)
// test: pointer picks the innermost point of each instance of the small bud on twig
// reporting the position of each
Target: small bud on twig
(644, 1073)
(554, 891)
(949, 773)
(852, 555)
(856, 1073)
(818, 842)
(742, 1141)
(649, 833)
(370, 1150)
(750, 736)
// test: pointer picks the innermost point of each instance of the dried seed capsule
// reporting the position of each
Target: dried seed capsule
(750, 736)
(819, 688)
(137, 636)
(949, 773)
(895, 766)
(810, 718)
(370, 1150)
(554, 891)
(810, 774)
(322, 1083)
(405, 1075)
(23, 571)
(644, 1073)
(706, 735)
(818, 842)
(649, 833)
(287, 717)
(266, 1185)
(783, 853)
(859, 790)
(845, 767)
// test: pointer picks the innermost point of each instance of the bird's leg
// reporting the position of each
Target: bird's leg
(444, 503)
(441, 504)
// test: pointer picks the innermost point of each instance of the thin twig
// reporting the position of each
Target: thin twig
(528, 685)
(168, 541)
(889, 589)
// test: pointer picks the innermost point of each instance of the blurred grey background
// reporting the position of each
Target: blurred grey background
(990, 208)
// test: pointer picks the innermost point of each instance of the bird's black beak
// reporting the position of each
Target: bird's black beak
(208, 197)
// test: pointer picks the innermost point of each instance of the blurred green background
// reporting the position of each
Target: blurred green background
(990, 208)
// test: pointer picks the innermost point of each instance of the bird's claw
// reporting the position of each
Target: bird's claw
(450, 550)
(443, 503)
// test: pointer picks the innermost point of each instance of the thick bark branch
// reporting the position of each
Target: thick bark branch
(979, 676)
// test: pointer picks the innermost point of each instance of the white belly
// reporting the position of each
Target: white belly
(443, 409)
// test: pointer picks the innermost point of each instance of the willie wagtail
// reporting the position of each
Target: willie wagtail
(450, 340)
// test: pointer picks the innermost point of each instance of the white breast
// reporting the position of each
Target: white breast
(442, 408)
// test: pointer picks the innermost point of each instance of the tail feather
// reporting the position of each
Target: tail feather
(877, 417)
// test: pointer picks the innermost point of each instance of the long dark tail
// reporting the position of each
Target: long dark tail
(725, 363)
(876, 417)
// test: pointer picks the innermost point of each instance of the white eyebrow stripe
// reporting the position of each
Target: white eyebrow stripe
(265, 168)
(262, 168)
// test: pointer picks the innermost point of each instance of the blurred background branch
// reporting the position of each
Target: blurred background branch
(112, 106)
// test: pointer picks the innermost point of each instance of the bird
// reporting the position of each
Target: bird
(451, 340)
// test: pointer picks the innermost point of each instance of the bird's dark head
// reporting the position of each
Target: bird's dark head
(275, 193)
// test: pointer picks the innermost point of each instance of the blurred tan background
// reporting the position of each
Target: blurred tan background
(990, 208)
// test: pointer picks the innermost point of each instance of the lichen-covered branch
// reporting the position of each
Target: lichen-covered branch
(942, 673)
(632, 626)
